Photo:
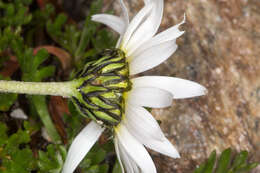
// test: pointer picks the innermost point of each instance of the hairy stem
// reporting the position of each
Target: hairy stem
(64, 89)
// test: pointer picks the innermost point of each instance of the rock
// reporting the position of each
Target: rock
(18, 114)
(219, 50)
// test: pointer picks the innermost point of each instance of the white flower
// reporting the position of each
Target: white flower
(144, 50)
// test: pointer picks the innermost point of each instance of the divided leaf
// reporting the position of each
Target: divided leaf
(52, 160)
(15, 154)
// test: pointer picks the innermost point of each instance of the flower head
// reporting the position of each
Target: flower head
(134, 127)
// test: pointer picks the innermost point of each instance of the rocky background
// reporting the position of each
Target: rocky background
(220, 50)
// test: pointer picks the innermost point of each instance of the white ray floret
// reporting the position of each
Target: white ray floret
(151, 57)
(179, 88)
(114, 22)
(124, 159)
(81, 146)
(133, 150)
(146, 29)
(150, 97)
(139, 120)
(146, 130)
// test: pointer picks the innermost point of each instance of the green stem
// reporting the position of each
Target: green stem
(64, 89)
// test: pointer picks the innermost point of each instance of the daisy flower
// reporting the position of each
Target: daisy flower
(121, 96)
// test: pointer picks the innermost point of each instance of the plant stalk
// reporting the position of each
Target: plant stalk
(64, 89)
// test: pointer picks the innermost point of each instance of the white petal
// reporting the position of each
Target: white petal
(164, 147)
(124, 13)
(147, 29)
(139, 120)
(119, 41)
(179, 88)
(152, 57)
(125, 159)
(135, 23)
(126, 21)
(147, 2)
(141, 124)
(81, 146)
(114, 22)
(170, 34)
(135, 151)
(150, 97)
(131, 165)
(118, 154)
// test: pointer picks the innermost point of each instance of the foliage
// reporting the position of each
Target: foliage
(15, 14)
(13, 150)
(52, 160)
(226, 163)
(7, 100)
(80, 43)
(94, 161)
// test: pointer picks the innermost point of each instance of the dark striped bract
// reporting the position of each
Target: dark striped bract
(100, 87)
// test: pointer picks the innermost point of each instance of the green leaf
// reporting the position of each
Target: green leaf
(45, 72)
(117, 168)
(56, 27)
(31, 65)
(15, 14)
(240, 159)
(103, 168)
(31, 128)
(103, 40)
(65, 35)
(97, 156)
(3, 135)
(226, 164)
(210, 163)
(15, 152)
(200, 169)
(93, 169)
(94, 160)
(247, 167)
(6, 101)
(39, 58)
(224, 161)
(74, 121)
(85, 164)
(41, 16)
(51, 161)
(42, 110)
(89, 30)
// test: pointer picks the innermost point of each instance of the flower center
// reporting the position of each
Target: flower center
(100, 87)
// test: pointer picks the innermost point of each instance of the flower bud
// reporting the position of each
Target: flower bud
(100, 87)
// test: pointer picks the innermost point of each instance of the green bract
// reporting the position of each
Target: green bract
(100, 86)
